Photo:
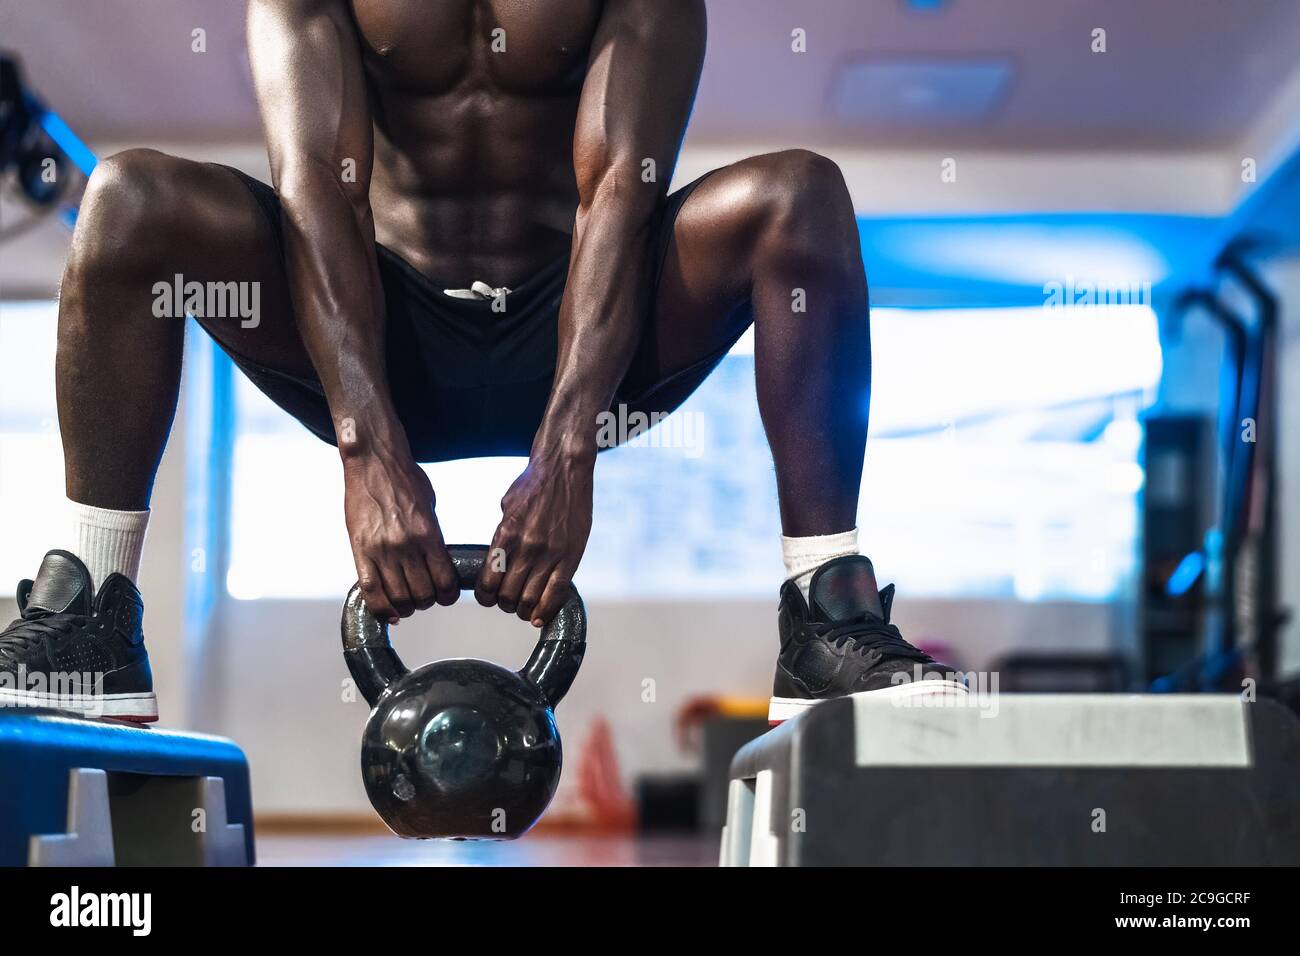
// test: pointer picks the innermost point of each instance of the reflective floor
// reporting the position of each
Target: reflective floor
(538, 849)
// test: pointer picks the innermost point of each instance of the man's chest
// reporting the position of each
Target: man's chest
(435, 46)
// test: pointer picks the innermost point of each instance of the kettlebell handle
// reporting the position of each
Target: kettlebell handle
(374, 664)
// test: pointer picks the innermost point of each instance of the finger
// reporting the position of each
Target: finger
(418, 582)
(395, 586)
(558, 590)
(372, 590)
(533, 590)
(443, 574)
(518, 571)
(499, 558)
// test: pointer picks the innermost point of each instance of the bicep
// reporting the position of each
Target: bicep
(644, 66)
(311, 90)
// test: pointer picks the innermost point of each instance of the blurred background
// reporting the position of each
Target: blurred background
(1080, 222)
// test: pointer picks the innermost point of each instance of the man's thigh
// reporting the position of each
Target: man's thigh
(700, 300)
(221, 235)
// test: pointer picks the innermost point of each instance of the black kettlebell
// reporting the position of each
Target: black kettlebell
(461, 748)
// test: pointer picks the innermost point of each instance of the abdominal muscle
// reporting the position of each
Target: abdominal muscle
(475, 183)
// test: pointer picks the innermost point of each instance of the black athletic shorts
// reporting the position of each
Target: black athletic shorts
(467, 382)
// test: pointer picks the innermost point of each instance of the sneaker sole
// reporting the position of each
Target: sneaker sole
(780, 709)
(137, 708)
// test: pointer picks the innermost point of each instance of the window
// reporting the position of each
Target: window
(1004, 461)
(31, 455)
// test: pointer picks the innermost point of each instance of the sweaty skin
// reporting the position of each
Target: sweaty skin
(472, 138)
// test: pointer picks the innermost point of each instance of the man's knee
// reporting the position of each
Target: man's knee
(806, 204)
(800, 177)
(130, 209)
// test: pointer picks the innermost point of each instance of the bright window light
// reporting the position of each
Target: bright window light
(943, 365)
(1023, 253)
(1004, 461)
(31, 455)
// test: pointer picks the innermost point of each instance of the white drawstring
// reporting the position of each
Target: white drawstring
(479, 290)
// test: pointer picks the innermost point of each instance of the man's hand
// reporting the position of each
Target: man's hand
(402, 561)
(639, 46)
(545, 521)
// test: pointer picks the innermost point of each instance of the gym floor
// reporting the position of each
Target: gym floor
(538, 849)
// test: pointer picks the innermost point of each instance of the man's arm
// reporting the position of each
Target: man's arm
(311, 88)
(644, 67)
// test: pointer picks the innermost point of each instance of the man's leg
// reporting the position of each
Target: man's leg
(145, 219)
(774, 240)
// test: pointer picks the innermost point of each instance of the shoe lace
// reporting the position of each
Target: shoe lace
(34, 626)
(870, 633)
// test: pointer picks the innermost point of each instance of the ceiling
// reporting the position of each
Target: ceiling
(1177, 74)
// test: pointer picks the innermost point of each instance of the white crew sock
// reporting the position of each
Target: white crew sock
(108, 540)
(803, 556)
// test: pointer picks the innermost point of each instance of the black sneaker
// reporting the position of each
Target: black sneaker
(845, 644)
(75, 651)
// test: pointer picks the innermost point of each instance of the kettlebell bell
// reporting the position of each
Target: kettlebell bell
(461, 748)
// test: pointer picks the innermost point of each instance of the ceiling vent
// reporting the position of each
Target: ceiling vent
(916, 91)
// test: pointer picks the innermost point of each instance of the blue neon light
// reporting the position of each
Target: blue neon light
(68, 141)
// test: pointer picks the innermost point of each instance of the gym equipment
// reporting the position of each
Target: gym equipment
(713, 727)
(462, 748)
(1240, 557)
(1179, 456)
(32, 135)
(77, 792)
(1021, 779)
(1070, 672)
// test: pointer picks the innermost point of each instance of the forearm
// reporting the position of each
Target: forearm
(601, 318)
(622, 132)
(338, 305)
(312, 94)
